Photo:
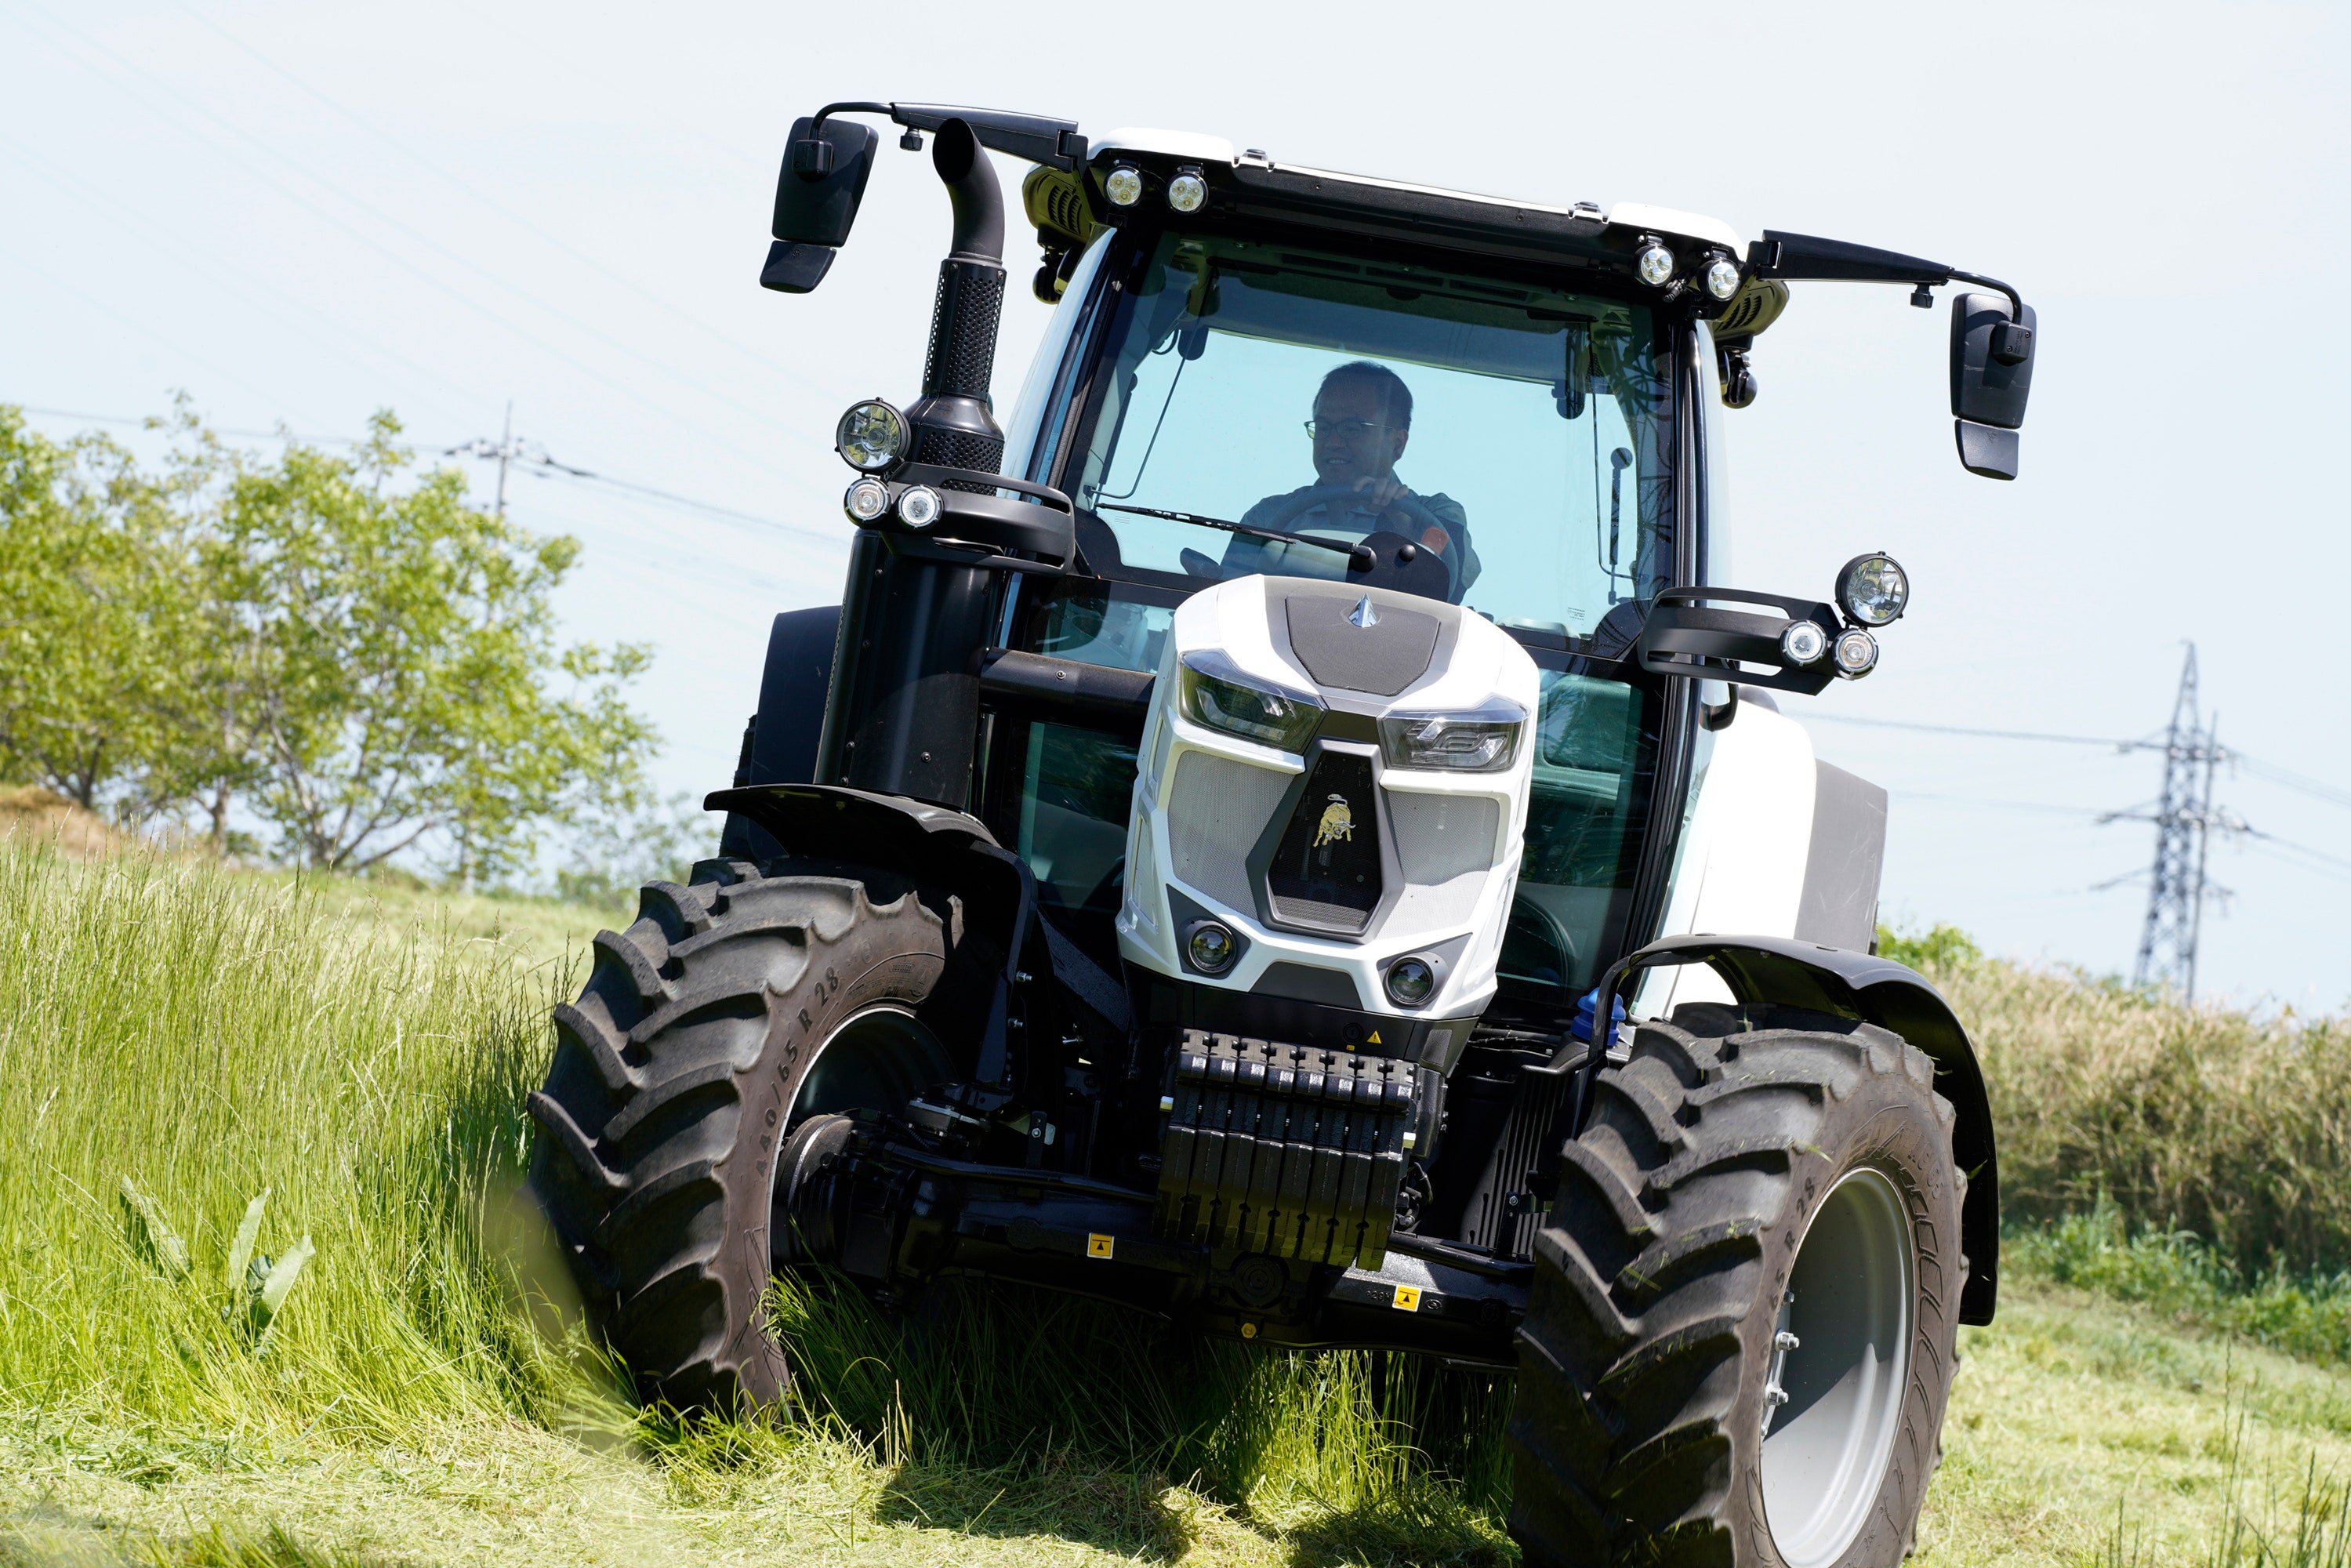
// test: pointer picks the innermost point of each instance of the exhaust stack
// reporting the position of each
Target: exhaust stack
(953, 424)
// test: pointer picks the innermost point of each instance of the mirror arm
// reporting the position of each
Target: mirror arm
(2015, 301)
(1806, 257)
(830, 109)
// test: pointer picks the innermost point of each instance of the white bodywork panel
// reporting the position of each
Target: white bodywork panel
(1245, 620)
(1188, 145)
(1667, 222)
(1740, 867)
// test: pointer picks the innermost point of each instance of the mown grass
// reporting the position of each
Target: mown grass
(361, 1053)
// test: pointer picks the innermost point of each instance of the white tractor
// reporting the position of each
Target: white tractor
(1347, 887)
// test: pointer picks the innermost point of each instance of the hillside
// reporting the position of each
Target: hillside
(360, 1055)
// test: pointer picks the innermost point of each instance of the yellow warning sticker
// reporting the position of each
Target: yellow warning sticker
(1407, 1297)
(1099, 1245)
(1374, 1039)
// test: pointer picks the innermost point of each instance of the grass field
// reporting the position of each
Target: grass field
(358, 1054)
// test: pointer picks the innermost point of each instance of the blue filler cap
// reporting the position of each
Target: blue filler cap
(1585, 1008)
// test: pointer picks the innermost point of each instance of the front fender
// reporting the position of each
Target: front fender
(952, 855)
(1791, 972)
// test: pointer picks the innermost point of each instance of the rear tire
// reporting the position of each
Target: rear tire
(733, 1009)
(1735, 1158)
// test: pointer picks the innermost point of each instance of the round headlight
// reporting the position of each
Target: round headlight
(1722, 278)
(871, 435)
(1804, 641)
(866, 501)
(1211, 948)
(1186, 193)
(1874, 590)
(1411, 981)
(918, 505)
(1654, 264)
(1856, 652)
(1123, 186)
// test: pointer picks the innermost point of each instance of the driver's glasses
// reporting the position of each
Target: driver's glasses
(1344, 429)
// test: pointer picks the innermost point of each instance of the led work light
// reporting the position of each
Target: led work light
(871, 436)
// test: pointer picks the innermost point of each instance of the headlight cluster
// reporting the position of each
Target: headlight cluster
(1486, 742)
(1216, 695)
(1872, 591)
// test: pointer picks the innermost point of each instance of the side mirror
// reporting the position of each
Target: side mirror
(1992, 375)
(817, 193)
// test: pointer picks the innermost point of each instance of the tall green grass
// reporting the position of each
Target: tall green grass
(210, 1037)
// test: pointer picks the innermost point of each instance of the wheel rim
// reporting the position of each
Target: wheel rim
(1832, 1402)
(874, 1061)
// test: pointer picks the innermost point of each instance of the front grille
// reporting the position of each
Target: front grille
(1216, 810)
(1326, 870)
(1325, 875)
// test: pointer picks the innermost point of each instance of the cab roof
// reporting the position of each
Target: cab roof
(1584, 219)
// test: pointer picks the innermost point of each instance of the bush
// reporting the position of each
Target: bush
(2167, 1116)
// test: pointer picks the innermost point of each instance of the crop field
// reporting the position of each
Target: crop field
(268, 1294)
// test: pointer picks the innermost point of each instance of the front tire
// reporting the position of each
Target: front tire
(733, 1009)
(1674, 1406)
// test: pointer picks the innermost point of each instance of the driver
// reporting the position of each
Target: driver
(1363, 420)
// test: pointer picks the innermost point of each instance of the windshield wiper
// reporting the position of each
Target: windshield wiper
(1359, 558)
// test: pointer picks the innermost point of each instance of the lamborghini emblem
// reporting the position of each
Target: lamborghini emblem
(1337, 823)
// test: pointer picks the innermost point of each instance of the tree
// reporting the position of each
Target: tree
(366, 663)
(90, 571)
(393, 653)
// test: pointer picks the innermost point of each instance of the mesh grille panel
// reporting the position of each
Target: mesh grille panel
(964, 318)
(1440, 837)
(958, 449)
(1446, 847)
(1216, 812)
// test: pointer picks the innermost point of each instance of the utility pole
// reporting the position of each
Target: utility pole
(506, 454)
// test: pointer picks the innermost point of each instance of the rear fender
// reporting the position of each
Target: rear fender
(780, 745)
(1790, 973)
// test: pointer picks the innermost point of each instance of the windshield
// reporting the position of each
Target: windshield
(1514, 437)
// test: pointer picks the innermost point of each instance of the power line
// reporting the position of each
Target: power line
(529, 454)
(224, 278)
(2285, 778)
(1978, 734)
(404, 264)
(556, 242)
(506, 450)
(126, 324)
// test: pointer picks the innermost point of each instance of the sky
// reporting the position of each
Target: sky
(301, 213)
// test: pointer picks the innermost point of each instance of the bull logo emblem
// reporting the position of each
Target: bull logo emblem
(1337, 823)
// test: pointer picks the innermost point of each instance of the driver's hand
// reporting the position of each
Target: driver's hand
(1383, 491)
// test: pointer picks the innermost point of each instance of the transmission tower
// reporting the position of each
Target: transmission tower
(2184, 819)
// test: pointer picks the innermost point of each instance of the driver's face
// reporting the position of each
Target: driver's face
(1352, 441)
